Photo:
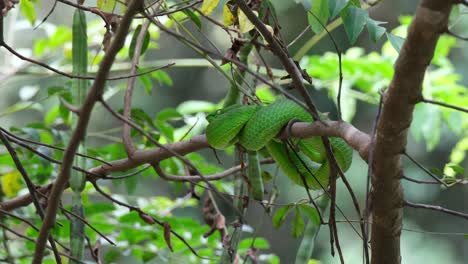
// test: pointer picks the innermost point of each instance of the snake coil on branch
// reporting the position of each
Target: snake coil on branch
(255, 127)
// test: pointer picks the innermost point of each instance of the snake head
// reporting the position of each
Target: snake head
(211, 116)
(221, 112)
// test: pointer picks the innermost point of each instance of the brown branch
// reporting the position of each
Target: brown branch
(89, 9)
(126, 138)
(95, 93)
(404, 92)
(197, 178)
(357, 139)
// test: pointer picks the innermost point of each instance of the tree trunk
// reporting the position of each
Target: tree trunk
(405, 90)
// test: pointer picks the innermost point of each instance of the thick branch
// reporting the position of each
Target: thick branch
(357, 139)
(392, 129)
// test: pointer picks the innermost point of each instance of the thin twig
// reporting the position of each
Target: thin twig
(32, 240)
(72, 76)
(52, 146)
(458, 108)
(128, 175)
(52, 160)
(197, 178)
(435, 208)
(457, 181)
(340, 76)
(173, 152)
(141, 212)
(368, 206)
(31, 189)
(47, 16)
(81, 219)
(424, 169)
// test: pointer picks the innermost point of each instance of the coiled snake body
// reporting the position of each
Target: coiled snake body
(255, 127)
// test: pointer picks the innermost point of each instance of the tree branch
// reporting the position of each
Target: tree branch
(357, 139)
(94, 95)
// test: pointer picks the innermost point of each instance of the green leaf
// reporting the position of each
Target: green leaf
(28, 10)
(375, 31)
(162, 77)
(144, 45)
(354, 19)
(140, 115)
(194, 106)
(436, 171)
(259, 243)
(146, 82)
(266, 176)
(208, 6)
(356, 3)
(55, 90)
(106, 5)
(396, 41)
(51, 115)
(319, 17)
(297, 224)
(335, 7)
(280, 215)
(265, 94)
(167, 114)
(457, 168)
(310, 212)
(131, 184)
(20, 106)
(112, 255)
(194, 17)
(431, 128)
(99, 208)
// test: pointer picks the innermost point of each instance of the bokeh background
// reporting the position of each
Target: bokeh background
(426, 238)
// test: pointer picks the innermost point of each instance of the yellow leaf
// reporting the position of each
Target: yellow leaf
(244, 23)
(228, 16)
(208, 6)
(106, 5)
(11, 183)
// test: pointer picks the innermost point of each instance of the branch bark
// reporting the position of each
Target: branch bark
(404, 92)
(357, 139)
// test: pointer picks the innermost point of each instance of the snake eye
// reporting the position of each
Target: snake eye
(218, 112)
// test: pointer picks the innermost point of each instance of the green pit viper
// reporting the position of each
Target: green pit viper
(255, 127)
